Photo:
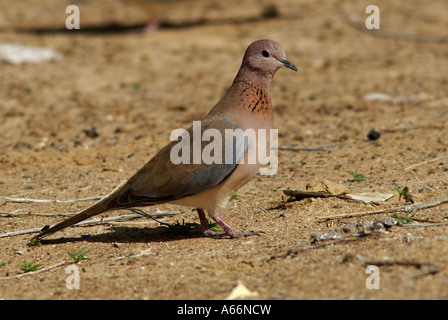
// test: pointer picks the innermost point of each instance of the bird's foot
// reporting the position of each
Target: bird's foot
(227, 231)
(212, 233)
(231, 233)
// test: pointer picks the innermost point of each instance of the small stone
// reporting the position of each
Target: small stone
(373, 135)
(92, 133)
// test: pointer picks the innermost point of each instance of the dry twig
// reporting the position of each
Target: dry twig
(425, 162)
(25, 200)
(315, 148)
(34, 272)
(431, 224)
(408, 209)
(29, 213)
(391, 262)
(99, 220)
(18, 233)
(143, 253)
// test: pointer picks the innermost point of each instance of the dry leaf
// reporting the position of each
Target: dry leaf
(241, 292)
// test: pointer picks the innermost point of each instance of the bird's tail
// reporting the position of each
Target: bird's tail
(97, 208)
(101, 206)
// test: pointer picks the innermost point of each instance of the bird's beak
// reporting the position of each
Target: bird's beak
(287, 64)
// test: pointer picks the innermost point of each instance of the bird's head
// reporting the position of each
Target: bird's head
(265, 57)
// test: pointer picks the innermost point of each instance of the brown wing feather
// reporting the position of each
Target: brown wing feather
(160, 180)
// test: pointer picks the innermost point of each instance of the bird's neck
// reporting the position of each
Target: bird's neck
(249, 98)
(256, 77)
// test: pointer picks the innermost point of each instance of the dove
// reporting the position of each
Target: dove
(206, 185)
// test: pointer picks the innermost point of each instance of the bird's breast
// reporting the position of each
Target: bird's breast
(255, 100)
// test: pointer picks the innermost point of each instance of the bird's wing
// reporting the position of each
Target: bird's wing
(162, 180)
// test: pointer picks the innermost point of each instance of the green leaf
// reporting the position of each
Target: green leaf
(80, 255)
(402, 193)
(357, 176)
(29, 266)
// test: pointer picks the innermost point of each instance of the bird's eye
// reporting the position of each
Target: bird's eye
(265, 53)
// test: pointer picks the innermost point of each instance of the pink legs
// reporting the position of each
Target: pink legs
(206, 231)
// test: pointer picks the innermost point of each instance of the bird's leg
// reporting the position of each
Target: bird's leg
(203, 220)
(206, 231)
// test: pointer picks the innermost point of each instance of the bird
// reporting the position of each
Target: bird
(204, 185)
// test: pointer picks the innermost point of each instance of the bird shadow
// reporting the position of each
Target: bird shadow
(123, 234)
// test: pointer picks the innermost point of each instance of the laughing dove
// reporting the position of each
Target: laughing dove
(199, 182)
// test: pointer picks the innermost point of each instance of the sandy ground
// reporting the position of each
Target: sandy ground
(133, 88)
